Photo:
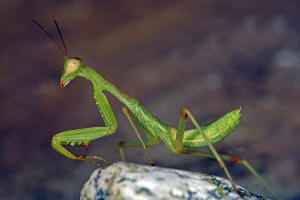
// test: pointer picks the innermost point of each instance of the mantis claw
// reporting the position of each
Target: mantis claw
(98, 158)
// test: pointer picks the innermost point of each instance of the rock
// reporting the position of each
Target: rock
(129, 181)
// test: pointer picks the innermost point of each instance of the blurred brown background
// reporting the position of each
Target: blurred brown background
(209, 56)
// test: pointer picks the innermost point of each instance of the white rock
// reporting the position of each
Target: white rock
(127, 181)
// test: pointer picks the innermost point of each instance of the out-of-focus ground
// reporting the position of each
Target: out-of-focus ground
(210, 56)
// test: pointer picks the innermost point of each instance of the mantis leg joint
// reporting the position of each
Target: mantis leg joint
(236, 159)
(121, 144)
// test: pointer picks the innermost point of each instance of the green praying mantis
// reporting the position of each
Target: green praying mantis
(178, 140)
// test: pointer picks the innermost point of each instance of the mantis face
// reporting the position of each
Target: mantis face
(71, 70)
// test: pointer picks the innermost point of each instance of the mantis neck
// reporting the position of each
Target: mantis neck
(100, 83)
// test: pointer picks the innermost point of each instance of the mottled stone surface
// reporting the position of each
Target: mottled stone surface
(129, 181)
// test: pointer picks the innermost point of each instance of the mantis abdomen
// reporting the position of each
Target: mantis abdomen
(215, 131)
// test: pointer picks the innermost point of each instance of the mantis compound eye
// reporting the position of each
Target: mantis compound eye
(73, 65)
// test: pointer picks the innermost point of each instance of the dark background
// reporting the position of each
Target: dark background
(210, 56)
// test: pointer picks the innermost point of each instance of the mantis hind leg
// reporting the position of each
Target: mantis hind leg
(237, 160)
(152, 141)
(80, 137)
(179, 143)
(214, 154)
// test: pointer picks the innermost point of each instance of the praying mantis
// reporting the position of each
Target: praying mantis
(178, 140)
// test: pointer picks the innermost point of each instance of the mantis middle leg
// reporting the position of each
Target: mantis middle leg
(220, 157)
(152, 140)
(86, 135)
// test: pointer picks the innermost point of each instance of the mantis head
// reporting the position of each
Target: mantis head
(72, 65)
(71, 70)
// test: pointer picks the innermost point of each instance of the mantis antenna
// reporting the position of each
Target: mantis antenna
(64, 49)
(61, 37)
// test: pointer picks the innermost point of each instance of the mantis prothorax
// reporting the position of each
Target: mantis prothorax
(178, 140)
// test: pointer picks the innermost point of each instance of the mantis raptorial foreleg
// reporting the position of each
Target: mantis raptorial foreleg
(86, 135)
(77, 137)
(220, 157)
(152, 141)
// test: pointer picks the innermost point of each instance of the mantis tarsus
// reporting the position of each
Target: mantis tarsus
(178, 140)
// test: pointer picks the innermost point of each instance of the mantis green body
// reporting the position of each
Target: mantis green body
(178, 140)
(154, 128)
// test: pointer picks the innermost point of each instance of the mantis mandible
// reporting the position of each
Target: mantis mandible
(178, 140)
